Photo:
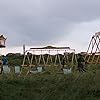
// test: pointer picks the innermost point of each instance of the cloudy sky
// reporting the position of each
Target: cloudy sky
(49, 22)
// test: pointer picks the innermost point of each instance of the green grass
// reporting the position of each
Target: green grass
(52, 86)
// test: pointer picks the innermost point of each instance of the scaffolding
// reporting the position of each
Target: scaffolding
(48, 56)
(93, 51)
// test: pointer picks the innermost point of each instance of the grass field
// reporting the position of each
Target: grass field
(52, 86)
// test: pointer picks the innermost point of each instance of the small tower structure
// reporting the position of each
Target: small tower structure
(2, 41)
(2, 45)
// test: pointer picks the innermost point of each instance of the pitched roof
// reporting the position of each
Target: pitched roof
(2, 37)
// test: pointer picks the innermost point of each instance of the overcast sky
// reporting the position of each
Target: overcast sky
(49, 22)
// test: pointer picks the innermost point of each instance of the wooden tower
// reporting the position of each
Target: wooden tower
(2, 41)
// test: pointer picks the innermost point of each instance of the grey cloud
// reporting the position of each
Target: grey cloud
(43, 21)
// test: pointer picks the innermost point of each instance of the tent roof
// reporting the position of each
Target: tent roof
(51, 47)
